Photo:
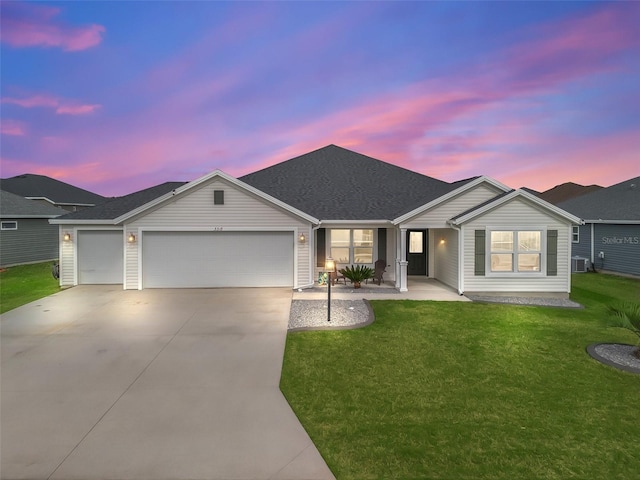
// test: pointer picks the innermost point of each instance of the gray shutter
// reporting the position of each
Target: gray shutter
(552, 253)
(382, 244)
(321, 248)
(480, 252)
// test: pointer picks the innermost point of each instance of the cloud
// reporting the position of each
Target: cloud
(12, 127)
(28, 25)
(61, 106)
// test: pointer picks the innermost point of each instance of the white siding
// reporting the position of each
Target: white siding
(514, 215)
(131, 256)
(437, 216)
(67, 257)
(445, 256)
(242, 211)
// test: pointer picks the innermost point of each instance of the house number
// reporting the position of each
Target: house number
(218, 229)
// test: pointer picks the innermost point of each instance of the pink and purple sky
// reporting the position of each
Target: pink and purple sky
(119, 96)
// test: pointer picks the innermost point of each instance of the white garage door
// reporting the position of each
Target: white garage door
(217, 259)
(100, 257)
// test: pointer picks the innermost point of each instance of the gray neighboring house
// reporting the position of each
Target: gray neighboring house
(610, 238)
(50, 191)
(25, 233)
(277, 226)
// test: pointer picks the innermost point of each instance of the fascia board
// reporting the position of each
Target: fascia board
(70, 221)
(205, 178)
(449, 196)
(356, 222)
(6, 215)
(507, 198)
(617, 222)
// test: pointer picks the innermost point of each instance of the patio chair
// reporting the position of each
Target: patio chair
(336, 276)
(380, 268)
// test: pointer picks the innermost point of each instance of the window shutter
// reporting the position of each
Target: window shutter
(321, 245)
(552, 253)
(382, 244)
(480, 252)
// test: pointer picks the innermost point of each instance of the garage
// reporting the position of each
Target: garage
(100, 257)
(217, 259)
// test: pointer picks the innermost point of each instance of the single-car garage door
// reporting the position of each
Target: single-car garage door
(217, 259)
(100, 256)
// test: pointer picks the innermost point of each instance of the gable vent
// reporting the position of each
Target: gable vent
(218, 197)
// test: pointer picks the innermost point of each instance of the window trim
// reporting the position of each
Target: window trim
(4, 227)
(575, 234)
(351, 245)
(542, 272)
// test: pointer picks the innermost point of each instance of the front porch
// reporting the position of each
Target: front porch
(419, 288)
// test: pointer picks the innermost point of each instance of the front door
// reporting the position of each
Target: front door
(417, 252)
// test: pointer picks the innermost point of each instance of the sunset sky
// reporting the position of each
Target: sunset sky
(119, 96)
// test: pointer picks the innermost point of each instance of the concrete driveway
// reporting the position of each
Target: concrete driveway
(158, 384)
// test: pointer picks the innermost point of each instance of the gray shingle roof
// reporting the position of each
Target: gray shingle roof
(617, 202)
(334, 183)
(118, 206)
(31, 185)
(15, 206)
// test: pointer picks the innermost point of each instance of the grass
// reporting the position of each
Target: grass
(25, 283)
(452, 390)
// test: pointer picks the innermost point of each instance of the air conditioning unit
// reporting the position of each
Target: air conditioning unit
(579, 264)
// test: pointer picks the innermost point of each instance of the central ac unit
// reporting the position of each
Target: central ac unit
(579, 264)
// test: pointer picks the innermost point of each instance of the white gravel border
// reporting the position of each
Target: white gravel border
(345, 314)
(616, 355)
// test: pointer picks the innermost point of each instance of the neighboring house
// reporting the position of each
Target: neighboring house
(610, 236)
(276, 227)
(25, 233)
(50, 191)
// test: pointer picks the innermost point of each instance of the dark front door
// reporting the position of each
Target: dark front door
(417, 252)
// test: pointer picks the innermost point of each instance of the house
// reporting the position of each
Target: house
(25, 233)
(609, 239)
(50, 191)
(276, 227)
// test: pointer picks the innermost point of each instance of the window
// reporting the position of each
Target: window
(9, 226)
(352, 246)
(218, 197)
(515, 251)
(575, 234)
(415, 242)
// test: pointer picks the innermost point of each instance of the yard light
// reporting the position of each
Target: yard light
(329, 266)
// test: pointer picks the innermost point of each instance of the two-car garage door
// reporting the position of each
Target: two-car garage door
(217, 259)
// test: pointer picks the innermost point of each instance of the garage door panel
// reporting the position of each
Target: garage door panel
(100, 257)
(217, 259)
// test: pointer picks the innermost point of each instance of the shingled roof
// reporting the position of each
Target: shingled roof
(617, 202)
(15, 206)
(118, 206)
(334, 183)
(39, 186)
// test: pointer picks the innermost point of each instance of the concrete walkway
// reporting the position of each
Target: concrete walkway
(99, 383)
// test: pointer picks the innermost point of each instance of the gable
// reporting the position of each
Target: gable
(518, 211)
(196, 208)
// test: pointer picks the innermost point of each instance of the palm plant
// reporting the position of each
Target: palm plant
(627, 315)
(357, 274)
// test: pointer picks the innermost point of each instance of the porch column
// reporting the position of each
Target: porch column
(402, 261)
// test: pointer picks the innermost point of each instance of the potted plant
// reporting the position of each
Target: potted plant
(357, 274)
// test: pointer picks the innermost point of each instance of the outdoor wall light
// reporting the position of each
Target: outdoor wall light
(66, 237)
(302, 238)
(442, 241)
(329, 267)
(131, 238)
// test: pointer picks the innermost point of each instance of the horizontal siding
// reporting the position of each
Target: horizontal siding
(437, 217)
(621, 247)
(34, 241)
(67, 258)
(583, 247)
(445, 256)
(241, 210)
(513, 215)
(131, 260)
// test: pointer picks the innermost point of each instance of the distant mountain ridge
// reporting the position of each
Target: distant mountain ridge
(565, 191)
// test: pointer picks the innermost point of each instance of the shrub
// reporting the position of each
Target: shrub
(357, 274)
(627, 315)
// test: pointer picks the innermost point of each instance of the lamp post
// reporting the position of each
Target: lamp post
(329, 266)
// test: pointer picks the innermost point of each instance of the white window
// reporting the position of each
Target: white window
(8, 225)
(575, 234)
(352, 246)
(517, 251)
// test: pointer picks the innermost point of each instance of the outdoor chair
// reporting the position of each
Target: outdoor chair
(336, 276)
(379, 271)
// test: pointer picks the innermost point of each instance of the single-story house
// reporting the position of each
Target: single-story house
(609, 239)
(276, 227)
(25, 233)
(50, 191)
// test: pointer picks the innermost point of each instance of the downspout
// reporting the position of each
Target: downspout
(593, 248)
(460, 259)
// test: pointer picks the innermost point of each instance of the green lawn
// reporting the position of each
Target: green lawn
(26, 283)
(449, 390)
